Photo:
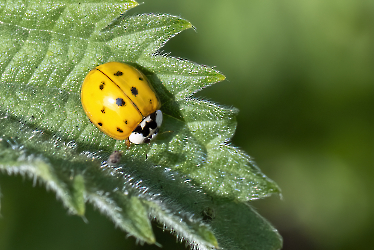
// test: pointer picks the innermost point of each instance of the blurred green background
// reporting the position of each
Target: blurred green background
(302, 75)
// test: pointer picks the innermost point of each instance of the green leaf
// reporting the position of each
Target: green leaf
(191, 179)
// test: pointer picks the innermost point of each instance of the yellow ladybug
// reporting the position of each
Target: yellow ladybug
(119, 100)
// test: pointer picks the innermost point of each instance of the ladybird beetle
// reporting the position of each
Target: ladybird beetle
(119, 100)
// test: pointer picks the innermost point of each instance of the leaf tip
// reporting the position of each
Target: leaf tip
(221, 77)
(152, 240)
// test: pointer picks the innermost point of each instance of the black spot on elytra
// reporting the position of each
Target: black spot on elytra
(102, 85)
(119, 130)
(120, 102)
(103, 110)
(125, 121)
(118, 73)
(150, 101)
(100, 124)
(141, 78)
(134, 91)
